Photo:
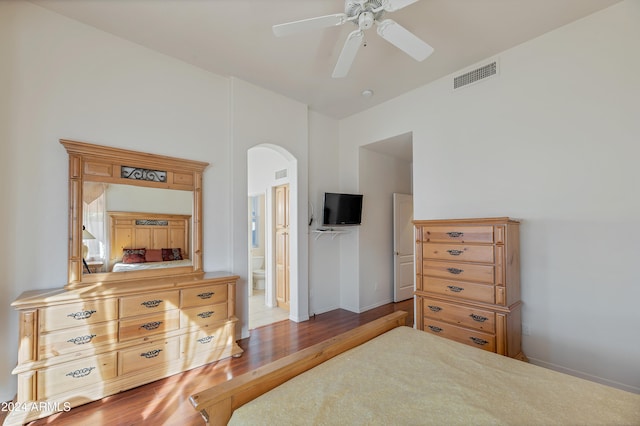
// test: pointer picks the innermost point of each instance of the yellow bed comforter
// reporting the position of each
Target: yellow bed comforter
(408, 377)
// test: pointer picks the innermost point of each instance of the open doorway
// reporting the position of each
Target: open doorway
(386, 168)
(268, 172)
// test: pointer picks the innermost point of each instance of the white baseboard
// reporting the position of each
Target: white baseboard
(375, 305)
(583, 375)
(318, 311)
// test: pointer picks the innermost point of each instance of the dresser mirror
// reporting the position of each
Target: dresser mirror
(132, 215)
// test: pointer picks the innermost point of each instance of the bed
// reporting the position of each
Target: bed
(144, 266)
(386, 373)
(143, 241)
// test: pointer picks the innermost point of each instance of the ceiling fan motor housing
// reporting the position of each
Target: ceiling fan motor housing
(364, 11)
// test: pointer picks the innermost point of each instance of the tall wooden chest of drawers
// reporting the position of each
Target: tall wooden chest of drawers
(468, 282)
(83, 344)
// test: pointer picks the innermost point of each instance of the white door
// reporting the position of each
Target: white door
(403, 245)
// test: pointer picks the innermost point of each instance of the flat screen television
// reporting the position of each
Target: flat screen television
(341, 209)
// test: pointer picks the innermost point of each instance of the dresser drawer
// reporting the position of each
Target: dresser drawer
(463, 290)
(148, 325)
(149, 303)
(459, 234)
(203, 315)
(77, 314)
(206, 340)
(76, 339)
(202, 296)
(463, 335)
(72, 375)
(460, 252)
(148, 356)
(458, 271)
(475, 318)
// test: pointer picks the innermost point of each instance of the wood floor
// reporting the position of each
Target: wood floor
(165, 402)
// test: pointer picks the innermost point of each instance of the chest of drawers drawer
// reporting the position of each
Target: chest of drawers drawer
(149, 303)
(458, 252)
(202, 296)
(464, 316)
(152, 355)
(75, 339)
(148, 325)
(77, 314)
(463, 290)
(206, 340)
(469, 337)
(459, 271)
(457, 234)
(72, 375)
(203, 315)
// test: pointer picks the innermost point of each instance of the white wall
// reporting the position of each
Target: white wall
(324, 252)
(262, 163)
(380, 176)
(148, 200)
(552, 140)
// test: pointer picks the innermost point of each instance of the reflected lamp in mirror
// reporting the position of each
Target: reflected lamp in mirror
(86, 235)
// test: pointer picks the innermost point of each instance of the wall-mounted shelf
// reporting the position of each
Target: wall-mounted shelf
(332, 232)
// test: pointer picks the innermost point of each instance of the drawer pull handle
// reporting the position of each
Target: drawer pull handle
(83, 372)
(478, 341)
(151, 325)
(152, 303)
(455, 271)
(478, 318)
(151, 354)
(81, 315)
(455, 234)
(206, 295)
(81, 340)
(435, 308)
(455, 289)
(434, 328)
(206, 314)
(455, 252)
(206, 340)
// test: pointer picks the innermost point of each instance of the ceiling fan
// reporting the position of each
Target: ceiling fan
(364, 14)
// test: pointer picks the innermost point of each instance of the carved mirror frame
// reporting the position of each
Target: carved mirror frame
(97, 163)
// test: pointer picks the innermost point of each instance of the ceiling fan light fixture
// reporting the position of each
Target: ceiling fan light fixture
(365, 20)
(364, 14)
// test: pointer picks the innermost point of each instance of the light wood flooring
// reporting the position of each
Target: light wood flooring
(165, 402)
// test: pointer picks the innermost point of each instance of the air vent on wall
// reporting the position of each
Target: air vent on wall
(281, 174)
(475, 75)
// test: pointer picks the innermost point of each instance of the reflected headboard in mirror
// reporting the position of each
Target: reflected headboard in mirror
(163, 193)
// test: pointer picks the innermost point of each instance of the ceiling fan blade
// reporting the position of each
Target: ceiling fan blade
(319, 22)
(404, 40)
(348, 54)
(393, 5)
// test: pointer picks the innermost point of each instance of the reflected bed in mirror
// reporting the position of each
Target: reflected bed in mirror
(132, 214)
(118, 217)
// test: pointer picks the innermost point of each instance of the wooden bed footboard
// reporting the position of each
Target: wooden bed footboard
(217, 403)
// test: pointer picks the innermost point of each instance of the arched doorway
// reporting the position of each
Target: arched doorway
(270, 168)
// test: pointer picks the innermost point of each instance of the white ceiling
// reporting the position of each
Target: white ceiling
(234, 38)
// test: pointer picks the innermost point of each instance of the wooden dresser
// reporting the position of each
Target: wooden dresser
(83, 344)
(468, 282)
